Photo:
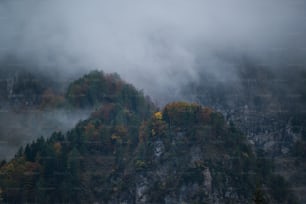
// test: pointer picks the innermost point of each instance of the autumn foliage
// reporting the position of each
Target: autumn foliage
(183, 113)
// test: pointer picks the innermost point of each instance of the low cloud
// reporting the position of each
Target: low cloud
(156, 45)
(159, 46)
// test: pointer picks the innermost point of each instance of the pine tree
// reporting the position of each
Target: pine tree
(259, 196)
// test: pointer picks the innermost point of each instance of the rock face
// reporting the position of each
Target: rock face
(269, 109)
(196, 158)
(188, 154)
(207, 180)
(126, 153)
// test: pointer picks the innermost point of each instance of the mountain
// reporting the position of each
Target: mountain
(35, 104)
(31, 105)
(268, 105)
(128, 151)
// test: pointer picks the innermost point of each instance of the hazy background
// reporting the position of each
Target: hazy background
(17, 129)
(160, 46)
(156, 45)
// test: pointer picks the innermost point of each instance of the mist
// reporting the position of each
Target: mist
(20, 128)
(159, 46)
(156, 45)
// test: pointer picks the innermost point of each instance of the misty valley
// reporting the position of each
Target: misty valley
(164, 101)
(119, 147)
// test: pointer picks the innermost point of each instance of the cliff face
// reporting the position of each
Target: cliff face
(183, 154)
(189, 154)
(268, 108)
(128, 152)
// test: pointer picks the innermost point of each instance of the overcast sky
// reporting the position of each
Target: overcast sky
(156, 44)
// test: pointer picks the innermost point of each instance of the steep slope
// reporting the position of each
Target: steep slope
(268, 105)
(49, 170)
(31, 105)
(182, 154)
(34, 104)
(188, 154)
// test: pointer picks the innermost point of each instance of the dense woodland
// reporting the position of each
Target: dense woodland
(130, 151)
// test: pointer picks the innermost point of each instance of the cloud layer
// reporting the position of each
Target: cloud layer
(156, 45)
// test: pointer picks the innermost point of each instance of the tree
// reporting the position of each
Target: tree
(259, 196)
(73, 163)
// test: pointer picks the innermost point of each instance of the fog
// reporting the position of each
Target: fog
(159, 46)
(156, 45)
(19, 129)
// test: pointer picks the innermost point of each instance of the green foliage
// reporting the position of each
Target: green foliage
(259, 196)
(98, 88)
(279, 190)
(181, 114)
(17, 179)
(74, 164)
(140, 165)
(299, 151)
(193, 175)
(102, 156)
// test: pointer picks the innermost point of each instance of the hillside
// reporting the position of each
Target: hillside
(128, 152)
(34, 104)
(268, 106)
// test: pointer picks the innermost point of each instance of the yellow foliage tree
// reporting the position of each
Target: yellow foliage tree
(158, 115)
(57, 147)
